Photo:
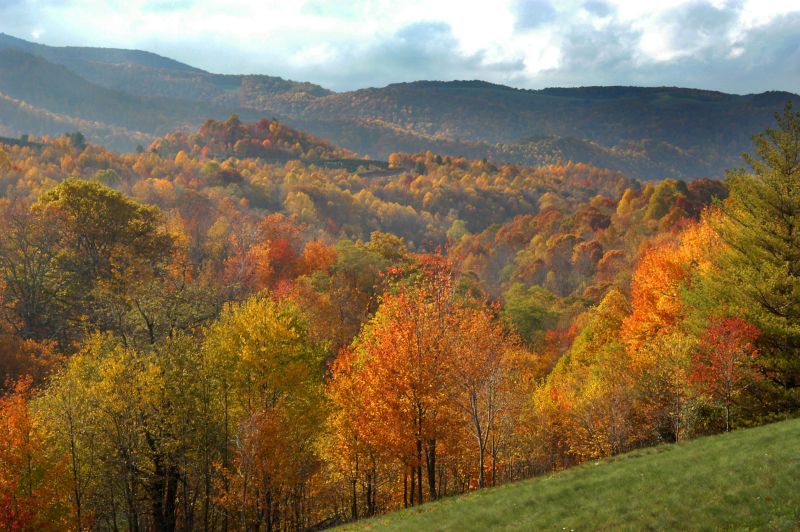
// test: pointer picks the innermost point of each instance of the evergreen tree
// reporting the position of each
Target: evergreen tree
(759, 274)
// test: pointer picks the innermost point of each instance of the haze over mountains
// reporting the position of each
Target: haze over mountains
(124, 98)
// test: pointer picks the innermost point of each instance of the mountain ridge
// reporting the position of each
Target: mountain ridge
(650, 132)
(96, 53)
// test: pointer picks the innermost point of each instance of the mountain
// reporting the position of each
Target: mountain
(122, 97)
(145, 74)
(74, 55)
(654, 132)
(40, 97)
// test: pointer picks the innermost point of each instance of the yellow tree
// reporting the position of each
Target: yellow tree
(587, 400)
(655, 334)
(268, 377)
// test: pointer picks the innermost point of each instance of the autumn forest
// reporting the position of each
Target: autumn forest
(245, 327)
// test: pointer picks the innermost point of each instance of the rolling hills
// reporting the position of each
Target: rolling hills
(124, 98)
(42, 97)
(743, 480)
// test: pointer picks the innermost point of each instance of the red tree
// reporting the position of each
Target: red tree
(723, 366)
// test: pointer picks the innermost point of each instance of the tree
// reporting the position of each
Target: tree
(97, 222)
(5, 161)
(724, 365)
(266, 375)
(32, 494)
(655, 295)
(529, 310)
(132, 424)
(759, 273)
(403, 356)
(586, 407)
(25, 358)
(663, 393)
(35, 284)
(349, 457)
(86, 253)
(476, 363)
(756, 274)
(76, 140)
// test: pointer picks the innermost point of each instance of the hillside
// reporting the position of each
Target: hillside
(492, 113)
(146, 74)
(268, 140)
(120, 97)
(41, 97)
(651, 132)
(743, 480)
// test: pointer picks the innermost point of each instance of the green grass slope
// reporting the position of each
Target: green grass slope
(748, 479)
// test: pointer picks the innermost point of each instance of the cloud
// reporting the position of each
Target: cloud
(598, 8)
(421, 50)
(533, 14)
(766, 58)
(591, 50)
(689, 29)
(732, 45)
(169, 5)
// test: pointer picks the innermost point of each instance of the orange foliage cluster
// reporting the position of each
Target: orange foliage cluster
(267, 139)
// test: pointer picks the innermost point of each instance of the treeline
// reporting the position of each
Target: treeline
(191, 343)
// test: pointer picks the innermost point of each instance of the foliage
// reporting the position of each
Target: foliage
(725, 364)
(267, 139)
(759, 275)
(222, 341)
(31, 492)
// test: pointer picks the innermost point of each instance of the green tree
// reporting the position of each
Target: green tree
(760, 272)
(84, 253)
(35, 287)
(530, 310)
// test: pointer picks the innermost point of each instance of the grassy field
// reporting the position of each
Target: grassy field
(748, 479)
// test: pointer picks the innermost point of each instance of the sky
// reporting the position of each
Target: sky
(739, 46)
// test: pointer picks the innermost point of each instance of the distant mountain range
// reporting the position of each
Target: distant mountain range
(124, 98)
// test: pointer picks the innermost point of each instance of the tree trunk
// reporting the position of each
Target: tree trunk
(75, 472)
(430, 459)
(405, 487)
(494, 462)
(413, 484)
(163, 490)
(268, 509)
(481, 473)
(173, 478)
(354, 503)
(419, 471)
(727, 417)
